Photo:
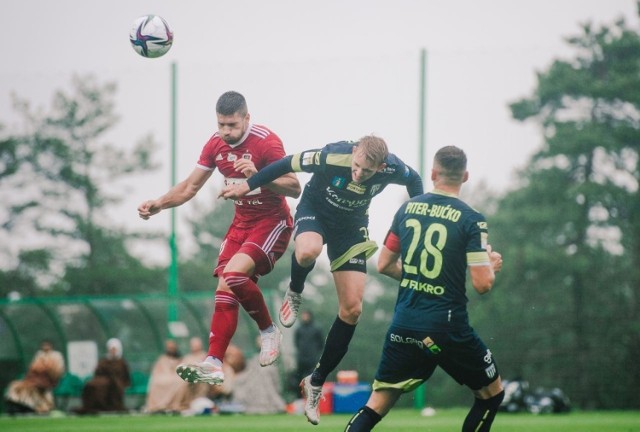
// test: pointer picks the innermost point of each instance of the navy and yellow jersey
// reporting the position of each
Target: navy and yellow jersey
(331, 191)
(437, 236)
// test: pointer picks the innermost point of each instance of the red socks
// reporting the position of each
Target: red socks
(250, 297)
(223, 323)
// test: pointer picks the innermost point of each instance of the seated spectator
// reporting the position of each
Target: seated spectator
(105, 391)
(232, 365)
(188, 392)
(34, 393)
(219, 396)
(164, 383)
(258, 389)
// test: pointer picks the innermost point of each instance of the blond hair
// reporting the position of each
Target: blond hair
(373, 148)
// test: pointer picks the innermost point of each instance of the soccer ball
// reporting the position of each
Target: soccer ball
(151, 36)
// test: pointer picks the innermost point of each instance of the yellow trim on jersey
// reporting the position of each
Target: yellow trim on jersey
(477, 258)
(295, 162)
(406, 386)
(369, 248)
(337, 159)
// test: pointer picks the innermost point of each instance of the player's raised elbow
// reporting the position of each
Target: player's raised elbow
(287, 185)
(383, 268)
(389, 264)
(296, 190)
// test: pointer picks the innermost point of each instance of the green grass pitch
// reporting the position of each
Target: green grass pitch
(397, 421)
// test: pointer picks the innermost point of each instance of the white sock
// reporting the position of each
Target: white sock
(214, 361)
(269, 329)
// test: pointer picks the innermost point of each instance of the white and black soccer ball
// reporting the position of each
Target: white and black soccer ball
(151, 36)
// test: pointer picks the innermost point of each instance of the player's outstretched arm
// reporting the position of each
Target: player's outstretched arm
(287, 185)
(177, 195)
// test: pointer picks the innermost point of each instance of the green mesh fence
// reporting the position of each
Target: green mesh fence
(140, 322)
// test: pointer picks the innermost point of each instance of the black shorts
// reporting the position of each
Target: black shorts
(348, 244)
(410, 357)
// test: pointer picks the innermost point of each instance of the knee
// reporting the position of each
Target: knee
(233, 282)
(306, 255)
(350, 313)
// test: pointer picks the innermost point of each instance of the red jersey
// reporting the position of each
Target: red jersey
(261, 146)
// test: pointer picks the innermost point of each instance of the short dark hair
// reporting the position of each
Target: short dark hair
(231, 102)
(452, 162)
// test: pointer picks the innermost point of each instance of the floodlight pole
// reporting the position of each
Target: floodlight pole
(423, 114)
(419, 394)
(172, 313)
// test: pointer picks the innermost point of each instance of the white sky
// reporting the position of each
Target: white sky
(313, 71)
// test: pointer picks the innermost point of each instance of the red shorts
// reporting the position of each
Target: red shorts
(264, 242)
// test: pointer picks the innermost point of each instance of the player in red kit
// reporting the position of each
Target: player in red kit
(258, 235)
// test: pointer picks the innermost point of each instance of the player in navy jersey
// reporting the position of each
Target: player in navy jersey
(258, 235)
(433, 239)
(333, 210)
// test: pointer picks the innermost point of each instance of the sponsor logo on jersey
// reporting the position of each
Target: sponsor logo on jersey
(388, 170)
(491, 371)
(422, 287)
(356, 188)
(405, 340)
(252, 202)
(338, 182)
(345, 204)
(236, 181)
(374, 189)
(431, 345)
(488, 357)
(219, 157)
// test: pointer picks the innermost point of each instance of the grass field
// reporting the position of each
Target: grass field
(398, 421)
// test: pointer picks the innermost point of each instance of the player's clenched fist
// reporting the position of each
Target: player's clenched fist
(148, 209)
(495, 258)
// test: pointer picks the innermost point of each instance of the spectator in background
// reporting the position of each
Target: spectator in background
(258, 390)
(308, 340)
(188, 392)
(105, 391)
(164, 384)
(34, 393)
(234, 363)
